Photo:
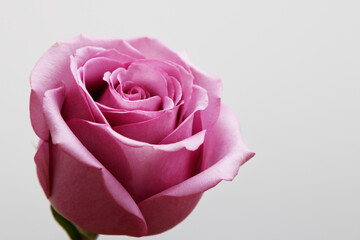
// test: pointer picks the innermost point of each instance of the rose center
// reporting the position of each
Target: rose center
(133, 91)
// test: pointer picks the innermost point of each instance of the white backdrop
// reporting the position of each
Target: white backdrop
(290, 71)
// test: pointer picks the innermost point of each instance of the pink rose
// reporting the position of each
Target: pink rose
(131, 134)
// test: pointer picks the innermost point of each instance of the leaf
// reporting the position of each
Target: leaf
(74, 232)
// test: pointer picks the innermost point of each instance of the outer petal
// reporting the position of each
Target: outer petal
(213, 87)
(82, 55)
(153, 48)
(163, 213)
(136, 164)
(43, 166)
(224, 152)
(83, 191)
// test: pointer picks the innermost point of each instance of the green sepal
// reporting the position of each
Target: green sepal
(74, 232)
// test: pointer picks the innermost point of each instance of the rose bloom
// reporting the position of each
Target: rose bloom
(131, 134)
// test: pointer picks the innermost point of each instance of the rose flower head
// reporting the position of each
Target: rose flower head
(131, 134)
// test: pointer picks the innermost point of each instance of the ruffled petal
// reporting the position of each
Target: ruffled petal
(163, 213)
(198, 102)
(93, 73)
(82, 55)
(146, 76)
(153, 130)
(43, 166)
(53, 70)
(84, 191)
(213, 87)
(172, 163)
(223, 153)
(111, 98)
(154, 49)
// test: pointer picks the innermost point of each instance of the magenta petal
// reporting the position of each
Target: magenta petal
(49, 73)
(153, 130)
(53, 70)
(198, 102)
(120, 45)
(224, 152)
(37, 117)
(172, 163)
(163, 213)
(83, 190)
(91, 198)
(111, 98)
(152, 48)
(175, 86)
(146, 76)
(42, 166)
(116, 118)
(213, 87)
(82, 55)
(82, 108)
(93, 73)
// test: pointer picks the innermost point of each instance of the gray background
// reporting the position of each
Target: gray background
(290, 71)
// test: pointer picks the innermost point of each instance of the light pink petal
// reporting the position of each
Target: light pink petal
(172, 163)
(223, 153)
(182, 80)
(117, 117)
(37, 117)
(83, 190)
(53, 70)
(213, 87)
(93, 73)
(167, 103)
(146, 76)
(163, 213)
(198, 102)
(153, 130)
(42, 166)
(154, 49)
(111, 98)
(175, 85)
(82, 55)
(84, 108)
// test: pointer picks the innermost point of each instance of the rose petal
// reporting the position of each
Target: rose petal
(53, 70)
(117, 117)
(111, 98)
(84, 108)
(91, 198)
(146, 76)
(82, 55)
(198, 102)
(175, 88)
(163, 213)
(154, 49)
(224, 152)
(42, 166)
(172, 163)
(153, 130)
(182, 79)
(213, 87)
(83, 189)
(93, 72)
